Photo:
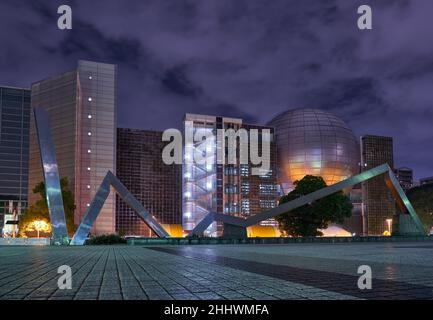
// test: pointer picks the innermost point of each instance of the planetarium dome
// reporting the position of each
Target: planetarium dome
(314, 142)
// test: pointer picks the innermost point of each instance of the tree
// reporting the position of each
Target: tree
(306, 220)
(39, 211)
(422, 200)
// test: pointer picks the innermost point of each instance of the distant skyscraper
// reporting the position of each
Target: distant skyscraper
(14, 150)
(82, 107)
(426, 181)
(224, 188)
(156, 185)
(378, 202)
(404, 175)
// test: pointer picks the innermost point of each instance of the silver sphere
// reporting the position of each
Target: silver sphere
(314, 142)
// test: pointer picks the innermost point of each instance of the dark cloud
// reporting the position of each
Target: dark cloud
(242, 58)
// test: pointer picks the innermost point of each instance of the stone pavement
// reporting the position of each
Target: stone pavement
(293, 271)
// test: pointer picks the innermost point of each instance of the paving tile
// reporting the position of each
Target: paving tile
(294, 271)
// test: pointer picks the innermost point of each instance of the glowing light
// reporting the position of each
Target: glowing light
(39, 225)
(389, 222)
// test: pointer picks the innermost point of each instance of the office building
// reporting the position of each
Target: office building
(82, 108)
(426, 181)
(404, 175)
(379, 205)
(156, 185)
(226, 188)
(14, 148)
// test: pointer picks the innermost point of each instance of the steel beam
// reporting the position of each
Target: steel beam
(50, 170)
(98, 201)
(392, 183)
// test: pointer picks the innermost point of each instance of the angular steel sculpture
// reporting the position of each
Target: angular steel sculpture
(98, 201)
(51, 177)
(390, 180)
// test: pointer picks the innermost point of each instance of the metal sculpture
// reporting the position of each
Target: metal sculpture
(98, 201)
(390, 180)
(51, 177)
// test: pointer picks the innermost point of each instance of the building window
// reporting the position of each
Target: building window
(245, 170)
(268, 204)
(231, 207)
(230, 171)
(245, 187)
(245, 206)
(231, 188)
(267, 189)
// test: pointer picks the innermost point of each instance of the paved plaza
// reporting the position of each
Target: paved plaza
(291, 271)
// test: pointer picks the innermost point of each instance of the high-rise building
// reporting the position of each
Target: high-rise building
(426, 181)
(156, 185)
(82, 108)
(404, 175)
(224, 188)
(14, 152)
(379, 204)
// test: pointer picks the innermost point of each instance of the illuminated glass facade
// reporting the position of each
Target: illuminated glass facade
(82, 108)
(14, 148)
(314, 142)
(223, 188)
(156, 186)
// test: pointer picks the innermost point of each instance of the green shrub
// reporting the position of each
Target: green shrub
(106, 239)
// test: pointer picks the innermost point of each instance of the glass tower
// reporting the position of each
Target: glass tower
(14, 148)
(82, 107)
(231, 189)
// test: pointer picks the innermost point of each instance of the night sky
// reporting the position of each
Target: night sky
(242, 58)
